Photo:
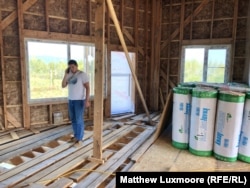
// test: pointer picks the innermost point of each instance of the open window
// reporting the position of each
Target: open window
(205, 63)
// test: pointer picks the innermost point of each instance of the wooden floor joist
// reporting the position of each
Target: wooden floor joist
(95, 178)
(48, 159)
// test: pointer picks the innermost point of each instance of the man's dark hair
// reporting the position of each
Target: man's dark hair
(72, 62)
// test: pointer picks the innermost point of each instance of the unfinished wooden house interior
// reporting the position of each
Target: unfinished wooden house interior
(136, 53)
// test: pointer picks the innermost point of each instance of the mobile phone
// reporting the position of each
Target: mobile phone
(68, 69)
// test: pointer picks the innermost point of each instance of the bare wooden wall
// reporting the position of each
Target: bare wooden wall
(70, 20)
(201, 22)
(154, 29)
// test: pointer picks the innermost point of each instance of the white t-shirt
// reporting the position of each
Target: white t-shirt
(76, 89)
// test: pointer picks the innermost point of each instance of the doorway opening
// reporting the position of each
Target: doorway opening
(122, 84)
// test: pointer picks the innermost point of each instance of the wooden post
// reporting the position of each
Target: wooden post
(99, 80)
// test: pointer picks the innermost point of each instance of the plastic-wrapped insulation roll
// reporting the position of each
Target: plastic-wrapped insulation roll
(204, 102)
(228, 125)
(181, 116)
(244, 145)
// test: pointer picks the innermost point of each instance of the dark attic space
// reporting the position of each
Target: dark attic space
(92, 90)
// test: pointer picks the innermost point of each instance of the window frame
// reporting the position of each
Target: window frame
(206, 49)
(27, 64)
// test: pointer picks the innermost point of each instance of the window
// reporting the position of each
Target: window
(205, 63)
(46, 63)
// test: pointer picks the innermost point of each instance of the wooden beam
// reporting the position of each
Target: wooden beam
(108, 73)
(47, 15)
(118, 29)
(57, 36)
(146, 39)
(186, 21)
(13, 120)
(70, 16)
(122, 14)
(26, 115)
(9, 19)
(155, 54)
(246, 76)
(4, 126)
(99, 78)
(14, 135)
(234, 32)
(136, 24)
(90, 18)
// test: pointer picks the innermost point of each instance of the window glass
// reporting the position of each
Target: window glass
(205, 63)
(46, 63)
(194, 61)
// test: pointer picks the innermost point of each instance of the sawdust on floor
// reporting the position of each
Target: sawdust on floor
(162, 156)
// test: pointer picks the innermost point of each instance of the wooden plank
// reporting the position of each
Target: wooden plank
(154, 67)
(163, 121)
(130, 38)
(123, 117)
(11, 119)
(14, 135)
(28, 143)
(34, 130)
(72, 164)
(57, 36)
(33, 138)
(164, 115)
(70, 16)
(99, 76)
(96, 178)
(62, 183)
(25, 107)
(18, 169)
(138, 117)
(56, 167)
(152, 115)
(80, 173)
(112, 183)
(36, 185)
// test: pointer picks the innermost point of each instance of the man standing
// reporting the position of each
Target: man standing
(78, 98)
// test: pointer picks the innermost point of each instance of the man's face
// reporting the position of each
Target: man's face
(73, 68)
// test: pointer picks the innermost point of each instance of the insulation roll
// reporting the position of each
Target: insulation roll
(181, 116)
(228, 125)
(203, 112)
(244, 145)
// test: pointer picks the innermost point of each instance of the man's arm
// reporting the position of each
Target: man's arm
(64, 80)
(87, 99)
